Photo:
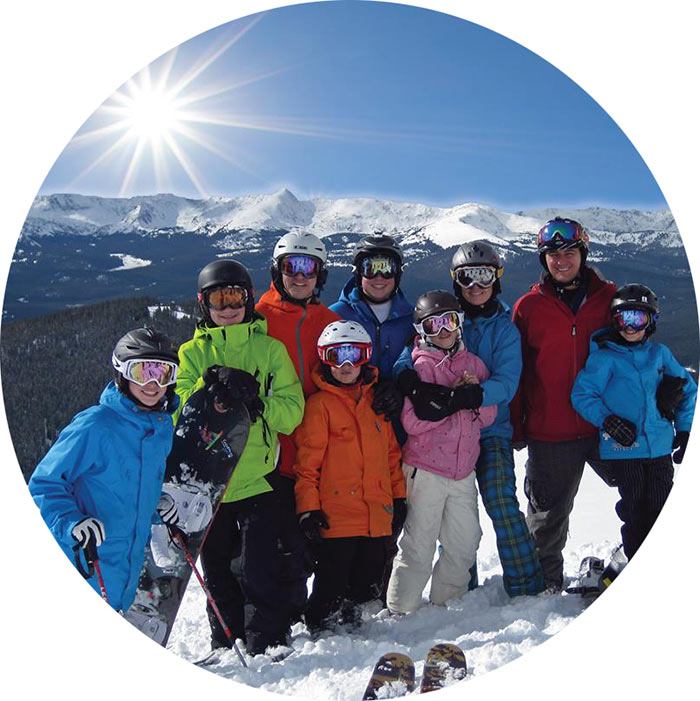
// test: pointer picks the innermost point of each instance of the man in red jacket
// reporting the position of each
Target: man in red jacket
(556, 319)
(296, 317)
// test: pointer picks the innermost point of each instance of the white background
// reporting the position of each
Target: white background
(60, 60)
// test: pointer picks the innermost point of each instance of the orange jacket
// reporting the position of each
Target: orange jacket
(298, 327)
(348, 462)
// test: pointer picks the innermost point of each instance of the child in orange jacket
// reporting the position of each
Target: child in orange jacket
(350, 489)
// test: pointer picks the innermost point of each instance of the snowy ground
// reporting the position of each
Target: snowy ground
(491, 628)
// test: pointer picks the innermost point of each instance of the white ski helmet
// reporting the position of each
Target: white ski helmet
(343, 331)
(302, 244)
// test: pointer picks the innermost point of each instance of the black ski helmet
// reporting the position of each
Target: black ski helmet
(559, 243)
(476, 253)
(377, 243)
(433, 303)
(145, 343)
(637, 296)
(224, 273)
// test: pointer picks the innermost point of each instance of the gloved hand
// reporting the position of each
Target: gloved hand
(387, 399)
(400, 512)
(311, 522)
(468, 397)
(230, 385)
(167, 509)
(620, 430)
(669, 394)
(89, 529)
(407, 381)
(681, 443)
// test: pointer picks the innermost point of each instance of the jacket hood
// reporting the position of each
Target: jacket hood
(273, 298)
(321, 382)
(350, 295)
(113, 399)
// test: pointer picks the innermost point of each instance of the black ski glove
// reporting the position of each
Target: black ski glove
(620, 430)
(227, 386)
(311, 522)
(681, 443)
(387, 399)
(400, 511)
(669, 394)
(431, 402)
(407, 381)
(468, 397)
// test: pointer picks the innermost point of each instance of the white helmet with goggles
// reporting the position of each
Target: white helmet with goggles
(343, 342)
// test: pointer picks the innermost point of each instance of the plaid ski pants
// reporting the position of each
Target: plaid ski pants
(495, 474)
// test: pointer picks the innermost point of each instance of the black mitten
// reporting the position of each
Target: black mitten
(311, 522)
(400, 512)
(468, 397)
(620, 430)
(387, 399)
(680, 442)
(669, 394)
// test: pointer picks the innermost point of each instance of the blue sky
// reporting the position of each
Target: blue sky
(357, 99)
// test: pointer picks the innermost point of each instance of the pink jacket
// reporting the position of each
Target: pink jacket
(449, 447)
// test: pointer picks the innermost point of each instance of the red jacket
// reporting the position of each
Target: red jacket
(555, 348)
(348, 463)
(298, 327)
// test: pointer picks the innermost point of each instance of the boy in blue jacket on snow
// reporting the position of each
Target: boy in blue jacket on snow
(637, 393)
(99, 486)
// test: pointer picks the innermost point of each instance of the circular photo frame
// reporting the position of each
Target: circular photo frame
(154, 186)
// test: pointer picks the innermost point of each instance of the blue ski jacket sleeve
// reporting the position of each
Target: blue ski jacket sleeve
(388, 337)
(108, 463)
(623, 380)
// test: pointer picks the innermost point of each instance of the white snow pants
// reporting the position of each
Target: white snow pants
(438, 509)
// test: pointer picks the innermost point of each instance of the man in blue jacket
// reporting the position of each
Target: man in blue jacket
(100, 483)
(489, 333)
(636, 393)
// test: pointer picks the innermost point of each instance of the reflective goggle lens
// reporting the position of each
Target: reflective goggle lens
(450, 321)
(636, 319)
(144, 371)
(482, 275)
(306, 265)
(378, 265)
(355, 354)
(564, 231)
(222, 297)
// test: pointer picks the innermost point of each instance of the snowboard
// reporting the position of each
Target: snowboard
(444, 664)
(207, 445)
(394, 668)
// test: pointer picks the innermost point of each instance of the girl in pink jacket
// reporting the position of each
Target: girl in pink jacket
(438, 463)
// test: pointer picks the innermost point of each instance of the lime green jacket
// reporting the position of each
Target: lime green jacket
(248, 347)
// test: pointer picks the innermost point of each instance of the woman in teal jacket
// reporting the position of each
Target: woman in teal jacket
(101, 480)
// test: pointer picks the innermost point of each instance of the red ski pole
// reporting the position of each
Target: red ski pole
(179, 540)
(93, 564)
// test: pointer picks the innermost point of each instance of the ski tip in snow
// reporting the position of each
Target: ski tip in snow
(393, 675)
(444, 664)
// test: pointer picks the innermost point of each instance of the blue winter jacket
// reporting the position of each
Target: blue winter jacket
(496, 340)
(388, 338)
(108, 463)
(623, 380)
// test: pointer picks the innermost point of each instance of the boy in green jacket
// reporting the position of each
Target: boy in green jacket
(233, 356)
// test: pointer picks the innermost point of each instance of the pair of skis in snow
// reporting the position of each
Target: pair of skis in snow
(394, 674)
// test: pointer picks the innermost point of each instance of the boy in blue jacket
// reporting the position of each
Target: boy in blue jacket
(637, 393)
(99, 486)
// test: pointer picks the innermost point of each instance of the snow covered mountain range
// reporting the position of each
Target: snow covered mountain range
(80, 249)
(67, 214)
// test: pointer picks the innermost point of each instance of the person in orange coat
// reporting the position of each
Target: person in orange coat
(296, 317)
(350, 489)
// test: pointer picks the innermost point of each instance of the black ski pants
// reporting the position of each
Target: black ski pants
(644, 484)
(348, 570)
(552, 476)
(241, 564)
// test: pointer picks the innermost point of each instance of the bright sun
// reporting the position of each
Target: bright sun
(152, 115)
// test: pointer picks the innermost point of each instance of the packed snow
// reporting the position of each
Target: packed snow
(129, 262)
(491, 628)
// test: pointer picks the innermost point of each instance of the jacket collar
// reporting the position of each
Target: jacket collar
(351, 295)
(234, 335)
(113, 399)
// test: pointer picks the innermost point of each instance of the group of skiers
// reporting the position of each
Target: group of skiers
(373, 425)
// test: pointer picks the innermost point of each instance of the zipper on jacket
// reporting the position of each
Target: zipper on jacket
(299, 348)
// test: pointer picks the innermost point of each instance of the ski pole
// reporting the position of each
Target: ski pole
(178, 539)
(93, 565)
